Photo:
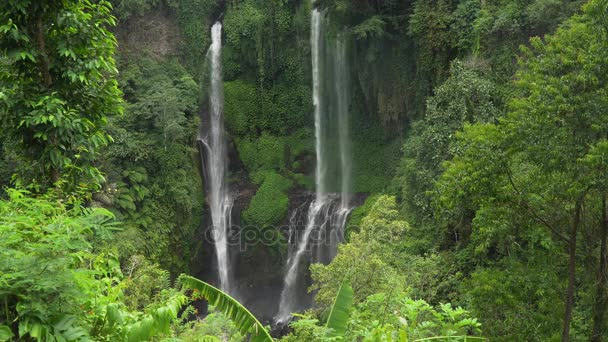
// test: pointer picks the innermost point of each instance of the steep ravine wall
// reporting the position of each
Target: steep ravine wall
(258, 268)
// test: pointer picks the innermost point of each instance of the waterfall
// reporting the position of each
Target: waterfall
(216, 160)
(327, 213)
(341, 88)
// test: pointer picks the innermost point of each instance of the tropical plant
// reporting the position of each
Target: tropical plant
(368, 261)
(56, 288)
(527, 179)
(57, 88)
(244, 320)
(340, 311)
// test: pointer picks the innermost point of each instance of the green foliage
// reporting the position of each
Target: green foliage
(244, 320)
(243, 30)
(127, 8)
(371, 149)
(213, 327)
(465, 97)
(429, 26)
(144, 283)
(57, 88)
(395, 316)
(267, 153)
(523, 183)
(358, 214)
(152, 183)
(119, 324)
(518, 300)
(370, 28)
(195, 18)
(279, 110)
(269, 205)
(340, 311)
(367, 260)
(240, 106)
(55, 288)
(45, 248)
(262, 39)
(306, 329)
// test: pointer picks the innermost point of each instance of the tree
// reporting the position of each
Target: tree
(529, 171)
(368, 260)
(57, 87)
(467, 96)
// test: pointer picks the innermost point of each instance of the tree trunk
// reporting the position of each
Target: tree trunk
(571, 269)
(601, 299)
(44, 60)
(46, 78)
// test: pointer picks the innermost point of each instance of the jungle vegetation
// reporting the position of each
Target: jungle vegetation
(480, 140)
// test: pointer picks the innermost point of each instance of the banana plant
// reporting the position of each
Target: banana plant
(340, 311)
(243, 319)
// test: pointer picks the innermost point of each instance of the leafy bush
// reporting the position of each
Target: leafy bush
(269, 205)
(387, 316)
(43, 270)
(279, 110)
(267, 153)
(56, 288)
(358, 214)
(241, 105)
(151, 172)
(214, 327)
(368, 261)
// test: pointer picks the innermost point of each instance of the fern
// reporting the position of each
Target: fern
(244, 320)
(156, 323)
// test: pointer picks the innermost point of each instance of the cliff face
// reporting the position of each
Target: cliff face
(155, 34)
(269, 121)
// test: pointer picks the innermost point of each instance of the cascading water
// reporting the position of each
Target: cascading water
(327, 213)
(216, 160)
(341, 88)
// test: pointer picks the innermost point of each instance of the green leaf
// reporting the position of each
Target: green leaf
(340, 311)
(5, 333)
(244, 320)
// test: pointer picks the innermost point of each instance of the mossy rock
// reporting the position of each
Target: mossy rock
(269, 205)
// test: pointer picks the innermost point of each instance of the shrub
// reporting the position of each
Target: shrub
(269, 205)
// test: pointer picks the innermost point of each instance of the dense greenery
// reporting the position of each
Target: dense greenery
(479, 140)
(57, 90)
(149, 168)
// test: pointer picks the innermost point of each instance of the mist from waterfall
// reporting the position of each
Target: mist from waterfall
(216, 160)
(327, 213)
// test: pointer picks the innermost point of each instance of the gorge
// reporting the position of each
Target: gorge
(318, 239)
(304, 170)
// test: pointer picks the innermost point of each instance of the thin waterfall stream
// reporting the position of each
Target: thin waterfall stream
(216, 160)
(328, 212)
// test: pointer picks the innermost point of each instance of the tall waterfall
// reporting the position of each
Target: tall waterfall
(327, 213)
(216, 159)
